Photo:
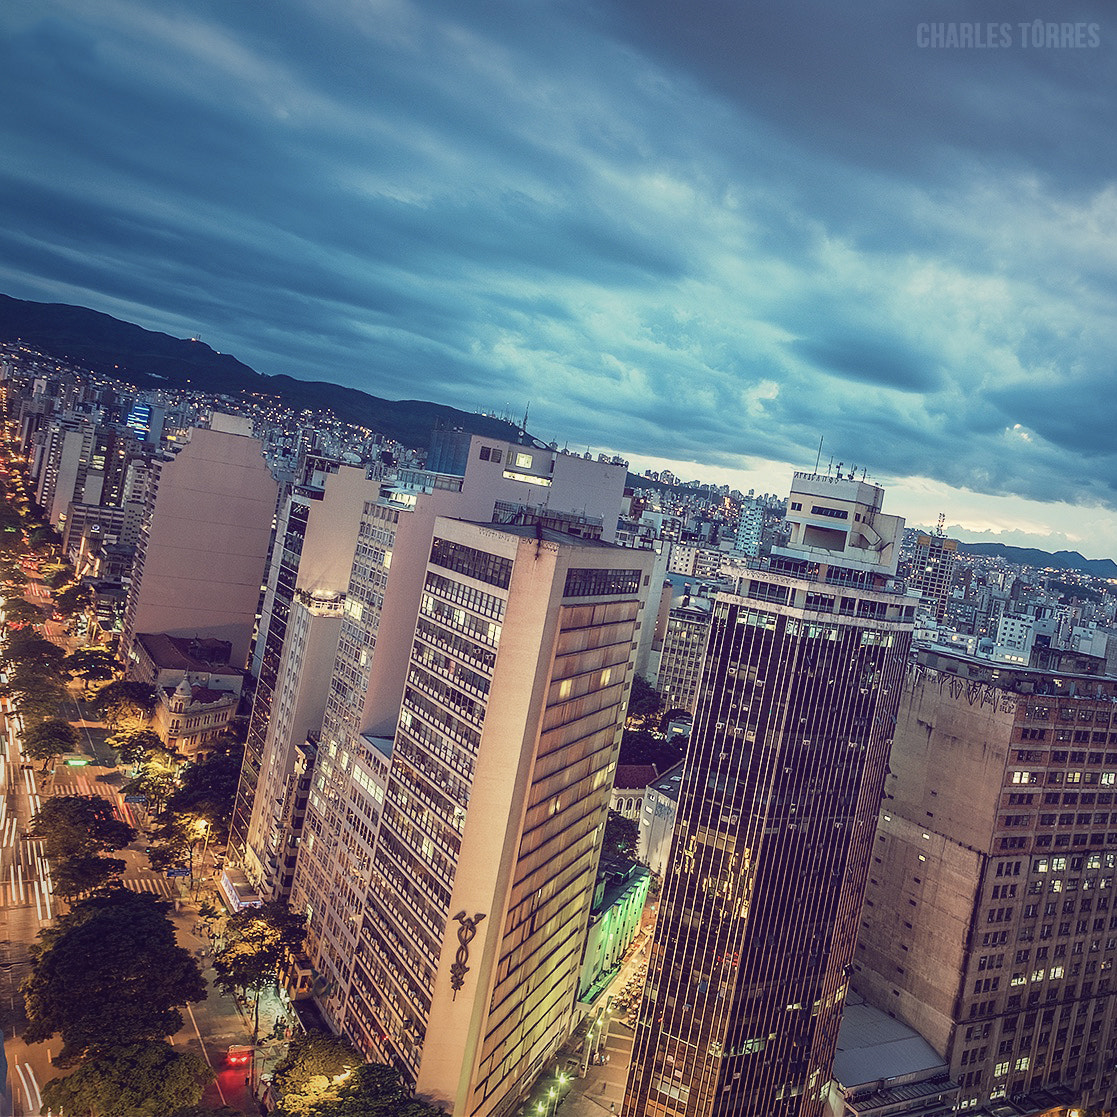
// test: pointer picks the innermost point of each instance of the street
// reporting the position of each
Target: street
(26, 905)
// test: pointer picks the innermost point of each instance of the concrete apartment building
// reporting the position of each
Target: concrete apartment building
(990, 924)
(933, 567)
(781, 787)
(200, 560)
(448, 865)
(315, 546)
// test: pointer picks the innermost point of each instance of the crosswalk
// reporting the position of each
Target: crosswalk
(159, 886)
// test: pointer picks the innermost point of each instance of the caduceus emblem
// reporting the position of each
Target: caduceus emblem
(466, 931)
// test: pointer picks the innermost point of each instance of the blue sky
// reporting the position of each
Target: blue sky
(704, 234)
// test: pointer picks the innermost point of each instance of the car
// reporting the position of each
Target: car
(239, 1054)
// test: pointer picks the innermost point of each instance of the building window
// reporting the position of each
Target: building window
(494, 569)
(582, 582)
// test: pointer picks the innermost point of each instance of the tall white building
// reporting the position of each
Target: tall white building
(469, 735)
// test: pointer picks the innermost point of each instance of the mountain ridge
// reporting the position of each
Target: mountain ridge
(1033, 556)
(150, 359)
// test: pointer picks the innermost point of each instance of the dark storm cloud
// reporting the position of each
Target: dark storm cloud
(705, 232)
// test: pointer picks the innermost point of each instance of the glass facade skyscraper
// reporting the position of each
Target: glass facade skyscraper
(784, 777)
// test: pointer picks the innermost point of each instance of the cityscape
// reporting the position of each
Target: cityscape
(558, 559)
(485, 777)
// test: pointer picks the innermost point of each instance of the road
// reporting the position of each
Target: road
(26, 905)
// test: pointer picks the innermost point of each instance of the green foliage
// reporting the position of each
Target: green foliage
(136, 746)
(308, 1071)
(86, 874)
(172, 842)
(48, 739)
(370, 1090)
(73, 599)
(621, 836)
(36, 697)
(18, 611)
(257, 941)
(644, 701)
(79, 825)
(28, 650)
(92, 664)
(57, 573)
(640, 746)
(42, 539)
(139, 1080)
(109, 974)
(208, 788)
(125, 701)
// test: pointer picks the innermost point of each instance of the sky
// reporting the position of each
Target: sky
(701, 235)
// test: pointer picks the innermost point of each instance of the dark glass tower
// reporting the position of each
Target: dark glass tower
(784, 778)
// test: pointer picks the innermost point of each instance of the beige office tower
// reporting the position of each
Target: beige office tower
(990, 924)
(448, 867)
(204, 543)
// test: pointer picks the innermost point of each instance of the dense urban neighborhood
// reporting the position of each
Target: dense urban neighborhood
(483, 777)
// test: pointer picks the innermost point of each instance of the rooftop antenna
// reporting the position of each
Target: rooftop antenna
(818, 457)
(940, 531)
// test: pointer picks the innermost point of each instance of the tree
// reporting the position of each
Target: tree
(621, 836)
(79, 826)
(135, 746)
(92, 665)
(124, 701)
(27, 649)
(208, 788)
(36, 697)
(51, 738)
(109, 974)
(640, 746)
(314, 1063)
(20, 612)
(257, 941)
(139, 1080)
(73, 599)
(370, 1090)
(56, 573)
(86, 874)
(644, 701)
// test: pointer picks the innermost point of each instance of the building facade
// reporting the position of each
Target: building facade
(990, 924)
(782, 782)
(204, 544)
(449, 895)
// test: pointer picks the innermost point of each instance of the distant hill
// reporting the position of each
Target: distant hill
(90, 339)
(1031, 556)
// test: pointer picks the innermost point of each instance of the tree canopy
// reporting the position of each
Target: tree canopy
(136, 745)
(368, 1090)
(314, 1063)
(621, 836)
(208, 788)
(92, 665)
(49, 738)
(125, 701)
(79, 825)
(138, 1080)
(108, 974)
(644, 701)
(257, 941)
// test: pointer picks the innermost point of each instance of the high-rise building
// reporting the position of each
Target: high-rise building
(782, 783)
(932, 570)
(448, 869)
(316, 544)
(990, 924)
(204, 544)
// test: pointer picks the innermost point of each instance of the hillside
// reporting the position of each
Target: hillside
(1031, 556)
(112, 348)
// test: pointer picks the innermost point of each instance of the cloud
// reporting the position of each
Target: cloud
(708, 233)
